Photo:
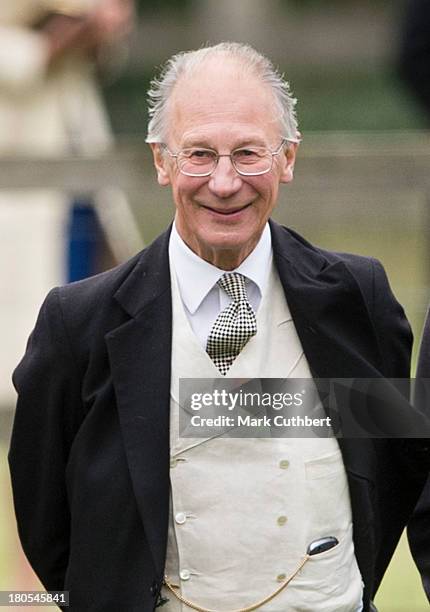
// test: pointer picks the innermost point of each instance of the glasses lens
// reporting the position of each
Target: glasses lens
(252, 160)
(197, 162)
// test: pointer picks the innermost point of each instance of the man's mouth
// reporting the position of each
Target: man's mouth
(227, 211)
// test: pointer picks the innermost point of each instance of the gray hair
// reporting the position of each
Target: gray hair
(184, 63)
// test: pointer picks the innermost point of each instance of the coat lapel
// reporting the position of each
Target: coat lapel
(139, 353)
(328, 309)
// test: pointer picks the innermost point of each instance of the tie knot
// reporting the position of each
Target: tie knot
(233, 284)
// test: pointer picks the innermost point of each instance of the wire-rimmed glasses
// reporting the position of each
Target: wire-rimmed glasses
(247, 161)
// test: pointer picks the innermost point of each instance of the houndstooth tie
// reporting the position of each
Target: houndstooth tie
(235, 325)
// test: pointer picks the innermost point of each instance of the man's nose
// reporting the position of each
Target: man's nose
(224, 180)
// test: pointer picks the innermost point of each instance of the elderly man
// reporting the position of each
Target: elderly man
(112, 504)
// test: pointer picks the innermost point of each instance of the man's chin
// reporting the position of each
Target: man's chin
(227, 250)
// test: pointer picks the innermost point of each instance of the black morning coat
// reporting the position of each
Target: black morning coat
(89, 454)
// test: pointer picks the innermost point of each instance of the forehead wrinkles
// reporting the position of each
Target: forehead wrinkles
(215, 93)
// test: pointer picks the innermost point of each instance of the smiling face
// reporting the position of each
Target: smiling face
(221, 217)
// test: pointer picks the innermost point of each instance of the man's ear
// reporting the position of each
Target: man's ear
(161, 163)
(288, 160)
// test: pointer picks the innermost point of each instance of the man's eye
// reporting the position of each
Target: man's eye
(201, 154)
(246, 152)
(247, 155)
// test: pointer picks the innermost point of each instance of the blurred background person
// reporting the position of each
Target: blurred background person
(49, 105)
(414, 68)
(419, 523)
(414, 64)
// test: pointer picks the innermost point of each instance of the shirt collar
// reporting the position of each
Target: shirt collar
(196, 277)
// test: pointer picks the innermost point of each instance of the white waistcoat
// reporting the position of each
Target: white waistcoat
(243, 511)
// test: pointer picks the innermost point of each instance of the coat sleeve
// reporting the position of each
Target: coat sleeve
(392, 327)
(24, 49)
(47, 415)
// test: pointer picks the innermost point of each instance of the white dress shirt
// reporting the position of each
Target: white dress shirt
(197, 279)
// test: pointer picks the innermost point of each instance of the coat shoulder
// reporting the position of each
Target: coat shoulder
(304, 253)
(95, 289)
(95, 294)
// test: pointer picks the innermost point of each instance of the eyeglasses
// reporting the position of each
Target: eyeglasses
(247, 161)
